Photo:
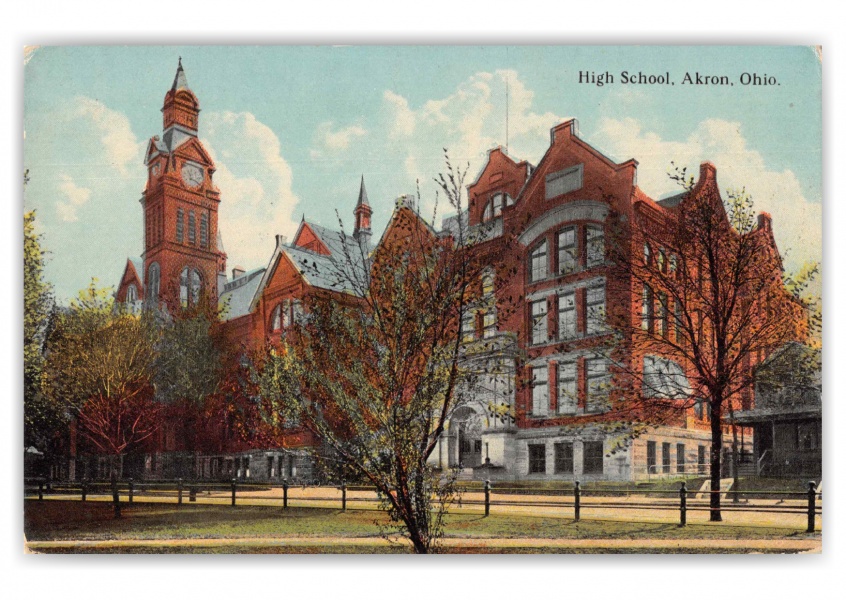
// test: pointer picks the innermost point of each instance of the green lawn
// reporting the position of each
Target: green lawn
(74, 520)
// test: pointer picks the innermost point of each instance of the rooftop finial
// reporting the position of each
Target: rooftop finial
(180, 81)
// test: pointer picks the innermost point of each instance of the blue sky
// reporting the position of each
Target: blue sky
(292, 130)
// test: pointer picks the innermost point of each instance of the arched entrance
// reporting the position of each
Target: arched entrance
(468, 425)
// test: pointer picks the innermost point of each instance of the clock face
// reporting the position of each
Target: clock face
(192, 175)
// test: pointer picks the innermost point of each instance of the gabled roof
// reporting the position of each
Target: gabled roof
(238, 294)
(138, 265)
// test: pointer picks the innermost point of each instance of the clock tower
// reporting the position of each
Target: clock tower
(182, 260)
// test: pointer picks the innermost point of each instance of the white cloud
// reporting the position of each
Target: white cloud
(257, 201)
(797, 222)
(122, 149)
(339, 139)
(75, 197)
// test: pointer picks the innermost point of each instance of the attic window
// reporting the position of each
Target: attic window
(562, 182)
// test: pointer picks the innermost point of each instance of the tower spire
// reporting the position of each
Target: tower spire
(180, 82)
(362, 212)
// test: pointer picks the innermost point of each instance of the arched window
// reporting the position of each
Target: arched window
(538, 263)
(131, 293)
(190, 285)
(487, 282)
(276, 319)
(153, 278)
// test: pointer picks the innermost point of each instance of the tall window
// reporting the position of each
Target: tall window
(180, 225)
(665, 457)
(204, 230)
(539, 322)
(489, 324)
(661, 260)
(488, 282)
(597, 384)
(537, 458)
(131, 293)
(680, 459)
(647, 255)
(596, 309)
(567, 316)
(468, 327)
(276, 319)
(286, 313)
(539, 262)
(568, 250)
(568, 395)
(190, 284)
(651, 458)
(153, 279)
(564, 458)
(540, 391)
(678, 322)
(595, 245)
(647, 308)
(192, 228)
(663, 315)
(700, 459)
(593, 455)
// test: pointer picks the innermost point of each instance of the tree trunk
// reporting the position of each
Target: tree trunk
(114, 477)
(716, 459)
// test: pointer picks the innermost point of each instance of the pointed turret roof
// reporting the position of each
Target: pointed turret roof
(362, 195)
(180, 82)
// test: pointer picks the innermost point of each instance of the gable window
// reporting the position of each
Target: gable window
(297, 312)
(131, 293)
(564, 181)
(567, 391)
(564, 457)
(190, 284)
(180, 225)
(539, 262)
(204, 230)
(595, 245)
(192, 228)
(567, 316)
(595, 309)
(596, 374)
(540, 391)
(593, 455)
(568, 250)
(276, 319)
(153, 276)
(537, 458)
(539, 322)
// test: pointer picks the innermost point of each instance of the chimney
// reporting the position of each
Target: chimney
(237, 271)
(281, 240)
(765, 221)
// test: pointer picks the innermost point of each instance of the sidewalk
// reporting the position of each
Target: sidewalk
(646, 545)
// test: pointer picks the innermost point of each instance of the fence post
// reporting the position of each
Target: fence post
(487, 497)
(683, 505)
(812, 506)
(179, 491)
(131, 491)
(284, 493)
(234, 484)
(577, 501)
(41, 490)
(343, 497)
(84, 490)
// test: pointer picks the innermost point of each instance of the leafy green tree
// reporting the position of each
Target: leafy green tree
(99, 370)
(41, 419)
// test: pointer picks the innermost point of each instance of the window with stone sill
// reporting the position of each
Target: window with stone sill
(489, 324)
(537, 458)
(564, 458)
(567, 316)
(593, 455)
(539, 322)
(540, 391)
(568, 395)
(595, 309)
(539, 263)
